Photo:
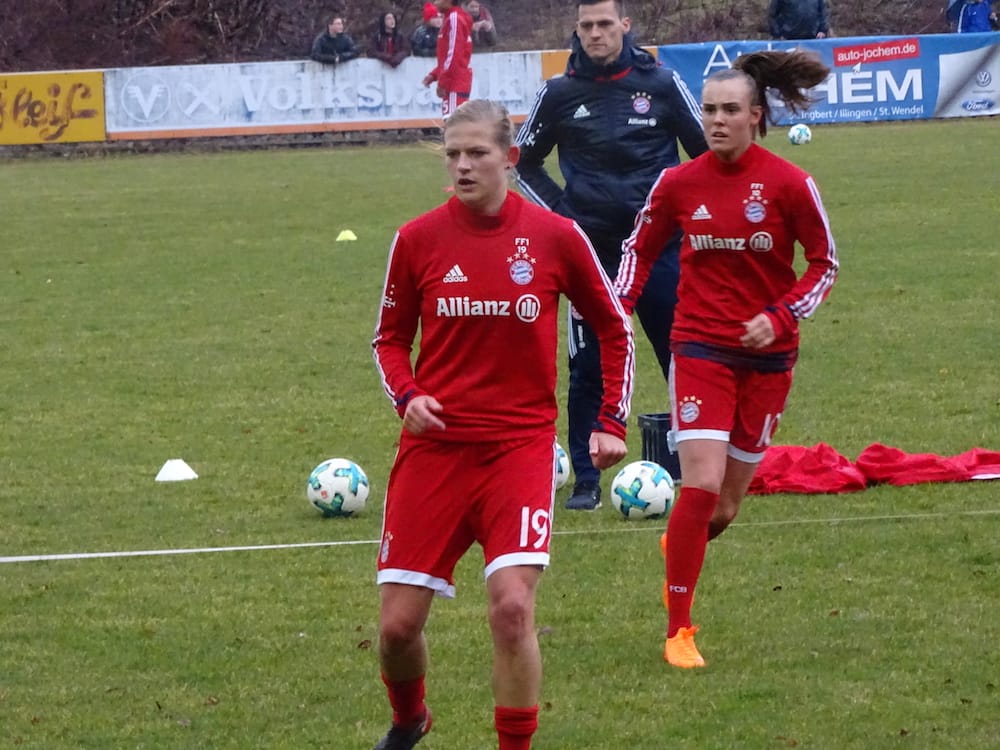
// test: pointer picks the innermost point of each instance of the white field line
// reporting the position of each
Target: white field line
(160, 552)
(631, 528)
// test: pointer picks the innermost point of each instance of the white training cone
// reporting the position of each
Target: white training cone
(346, 234)
(175, 470)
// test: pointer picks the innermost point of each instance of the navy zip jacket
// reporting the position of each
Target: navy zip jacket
(797, 19)
(616, 128)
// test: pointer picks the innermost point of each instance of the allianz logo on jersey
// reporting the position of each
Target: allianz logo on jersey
(525, 308)
(760, 242)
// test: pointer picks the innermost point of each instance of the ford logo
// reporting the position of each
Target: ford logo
(978, 105)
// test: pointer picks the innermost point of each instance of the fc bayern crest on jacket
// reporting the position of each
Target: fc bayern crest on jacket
(521, 263)
(641, 102)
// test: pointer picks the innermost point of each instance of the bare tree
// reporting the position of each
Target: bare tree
(72, 34)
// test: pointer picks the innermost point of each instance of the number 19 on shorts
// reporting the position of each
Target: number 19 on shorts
(534, 528)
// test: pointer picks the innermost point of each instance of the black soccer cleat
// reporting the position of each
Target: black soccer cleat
(398, 738)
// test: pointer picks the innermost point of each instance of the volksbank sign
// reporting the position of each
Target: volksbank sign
(298, 95)
(873, 78)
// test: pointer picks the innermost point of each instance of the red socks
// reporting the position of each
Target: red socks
(687, 530)
(515, 726)
(407, 701)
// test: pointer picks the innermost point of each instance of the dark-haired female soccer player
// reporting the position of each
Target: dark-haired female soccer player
(736, 327)
(481, 277)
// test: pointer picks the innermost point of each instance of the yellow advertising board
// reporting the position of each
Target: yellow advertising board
(51, 107)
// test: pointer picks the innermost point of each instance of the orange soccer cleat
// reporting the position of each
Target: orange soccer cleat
(680, 650)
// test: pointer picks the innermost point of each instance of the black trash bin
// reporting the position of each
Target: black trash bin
(655, 446)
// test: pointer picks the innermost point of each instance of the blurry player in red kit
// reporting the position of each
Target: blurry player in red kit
(735, 338)
(454, 53)
(481, 277)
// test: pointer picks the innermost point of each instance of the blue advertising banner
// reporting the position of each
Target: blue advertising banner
(872, 78)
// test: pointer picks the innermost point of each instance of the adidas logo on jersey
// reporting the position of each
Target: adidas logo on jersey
(701, 213)
(455, 276)
(581, 112)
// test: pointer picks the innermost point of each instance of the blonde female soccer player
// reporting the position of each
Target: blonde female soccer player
(481, 277)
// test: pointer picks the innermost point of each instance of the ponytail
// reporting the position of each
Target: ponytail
(787, 74)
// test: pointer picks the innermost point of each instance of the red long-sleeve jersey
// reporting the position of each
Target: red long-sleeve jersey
(454, 52)
(740, 223)
(484, 292)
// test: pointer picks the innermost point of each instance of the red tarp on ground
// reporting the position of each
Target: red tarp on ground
(821, 469)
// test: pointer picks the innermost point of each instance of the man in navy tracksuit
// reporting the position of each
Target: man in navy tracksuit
(616, 118)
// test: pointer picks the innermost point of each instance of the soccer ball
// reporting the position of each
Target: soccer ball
(799, 134)
(642, 489)
(337, 487)
(562, 467)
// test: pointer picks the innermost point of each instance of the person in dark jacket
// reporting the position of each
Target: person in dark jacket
(334, 46)
(387, 44)
(616, 118)
(484, 29)
(424, 39)
(798, 19)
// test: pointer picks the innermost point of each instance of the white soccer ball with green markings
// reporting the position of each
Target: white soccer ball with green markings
(642, 489)
(337, 487)
(562, 467)
(799, 134)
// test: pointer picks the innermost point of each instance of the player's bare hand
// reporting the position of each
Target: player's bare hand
(442, 92)
(421, 415)
(759, 332)
(606, 450)
(428, 80)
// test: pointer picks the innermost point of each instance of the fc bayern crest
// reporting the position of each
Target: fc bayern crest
(755, 212)
(641, 103)
(690, 409)
(755, 206)
(521, 272)
(522, 269)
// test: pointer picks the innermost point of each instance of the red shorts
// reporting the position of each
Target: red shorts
(452, 100)
(712, 401)
(442, 497)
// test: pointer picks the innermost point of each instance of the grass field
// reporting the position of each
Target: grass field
(198, 307)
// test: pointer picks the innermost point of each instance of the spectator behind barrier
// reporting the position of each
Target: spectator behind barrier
(387, 44)
(798, 19)
(484, 30)
(423, 40)
(972, 16)
(334, 46)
